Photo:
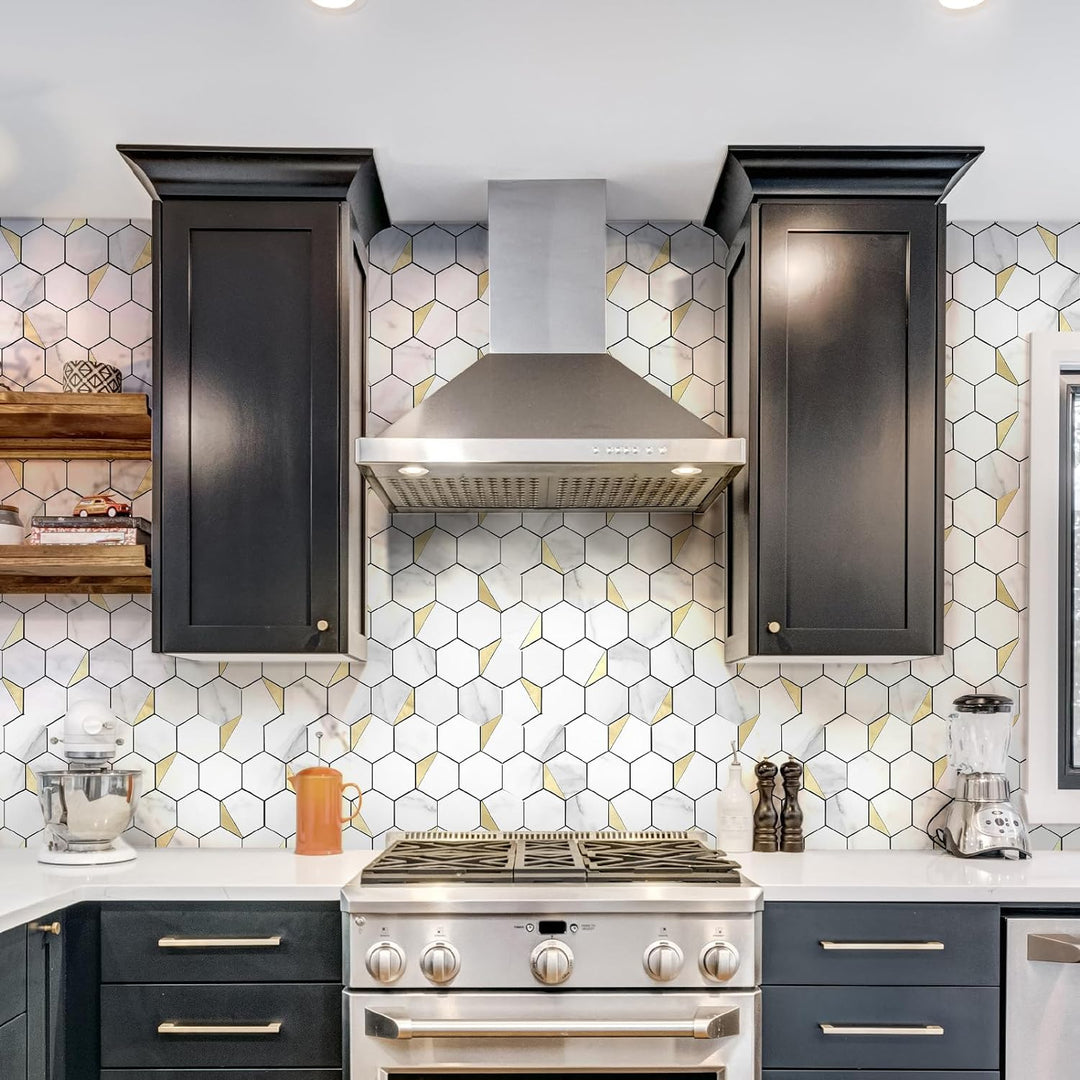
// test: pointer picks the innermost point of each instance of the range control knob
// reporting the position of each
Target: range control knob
(663, 960)
(719, 961)
(385, 962)
(440, 962)
(552, 962)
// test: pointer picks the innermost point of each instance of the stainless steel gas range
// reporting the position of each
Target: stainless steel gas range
(511, 953)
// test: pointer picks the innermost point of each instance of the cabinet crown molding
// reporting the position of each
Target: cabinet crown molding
(754, 172)
(252, 172)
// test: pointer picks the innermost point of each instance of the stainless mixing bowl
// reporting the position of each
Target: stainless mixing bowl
(87, 811)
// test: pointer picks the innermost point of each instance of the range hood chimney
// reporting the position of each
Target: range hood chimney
(548, 420)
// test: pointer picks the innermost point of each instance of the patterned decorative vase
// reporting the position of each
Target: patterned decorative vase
(91, 377)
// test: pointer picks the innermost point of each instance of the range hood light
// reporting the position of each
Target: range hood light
(686, 470)
(959, 5)
(336, 5)
(413, 470)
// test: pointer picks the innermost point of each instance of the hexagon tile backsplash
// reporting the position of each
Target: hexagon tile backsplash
(526, 670)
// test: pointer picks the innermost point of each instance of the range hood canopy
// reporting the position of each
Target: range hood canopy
(547, 420)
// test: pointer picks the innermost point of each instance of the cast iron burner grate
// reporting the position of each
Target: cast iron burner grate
(549, 858)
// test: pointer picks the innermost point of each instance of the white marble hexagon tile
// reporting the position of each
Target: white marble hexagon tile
(545, 670)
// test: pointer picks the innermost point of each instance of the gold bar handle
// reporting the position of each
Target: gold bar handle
(44, 927)
(220, 942)
(883, 946)
(171, 1028)
(881, 1029)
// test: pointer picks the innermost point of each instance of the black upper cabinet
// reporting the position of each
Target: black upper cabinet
(258, 377)
(836, 303)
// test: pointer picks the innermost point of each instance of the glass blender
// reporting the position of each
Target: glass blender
(982, 820)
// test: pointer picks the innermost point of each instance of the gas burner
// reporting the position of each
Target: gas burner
(550, 858)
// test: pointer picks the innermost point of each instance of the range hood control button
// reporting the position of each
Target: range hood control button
(719, 961)
(663, 960)
(552, 962)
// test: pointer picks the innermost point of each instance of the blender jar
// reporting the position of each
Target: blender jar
(979, 731)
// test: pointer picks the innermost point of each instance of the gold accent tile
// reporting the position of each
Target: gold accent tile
(613, 277)
(488, 729)
(226, 731)
(30, 780)
(615, 729)
(614, 596)
(547, 557)
(857, 673)
(81, 671)
(405, 257)
(147, 709)
(1004, 596)
(420, 390)
(420, 315)
(340, 672)
(1004, 653)
(1003, 504)
(487, 652)
(599, 671)
(1063, 324)
(1004, 427)
(1049, 239)
(276, 692)
(482, 284)
(665, 707)
(794, 691)
(1001, 366)
(407, 709)
(18, 631)
(14, 241)
(30, 333)
(663, 256)
(93, 279)
(486, 820)
(421, 616)
(940, 766)
(811, 784)
(533, 634)
(227, 823)
(679, 388)
(876, 729)
(165, 839)
(422, 767)
(678, 616)
(679, 314)
(420, 542)
(162, 768)
(551, 784)
(76, 223)
(746, 727)
(359, 823)
(1001, 279)
(925, 709)
(875, 820)
(678, 542)
(145, 256)
(483, 594)
(535, 694)
(614, 820)
(681, 766)
(357, 729)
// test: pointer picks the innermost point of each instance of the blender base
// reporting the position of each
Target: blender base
(118, 851)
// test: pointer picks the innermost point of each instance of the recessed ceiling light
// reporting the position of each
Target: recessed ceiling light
(413, 470)
(686, 470)
(959, 5)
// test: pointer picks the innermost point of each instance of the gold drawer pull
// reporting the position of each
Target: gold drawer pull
(220, 942)
(881, 1029)
(170, 1028)
(883, 946)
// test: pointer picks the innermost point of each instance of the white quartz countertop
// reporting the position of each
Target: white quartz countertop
(1051, 877)
(29, 889)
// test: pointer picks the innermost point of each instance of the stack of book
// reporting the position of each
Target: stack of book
(116, 531)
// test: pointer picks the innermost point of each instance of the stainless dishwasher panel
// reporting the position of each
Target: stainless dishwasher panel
(1042, 997)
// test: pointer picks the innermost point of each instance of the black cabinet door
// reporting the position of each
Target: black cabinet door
(849, 429)
(250, 426)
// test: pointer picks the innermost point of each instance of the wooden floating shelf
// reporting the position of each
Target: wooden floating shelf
(86, 426)
(73, 568)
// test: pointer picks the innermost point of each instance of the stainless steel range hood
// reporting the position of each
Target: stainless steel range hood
(548, 420)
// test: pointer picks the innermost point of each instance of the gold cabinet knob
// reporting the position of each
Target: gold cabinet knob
(774, 627)
(322, 625)
(45, 928)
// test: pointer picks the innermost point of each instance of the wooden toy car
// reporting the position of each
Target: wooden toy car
(101, 504)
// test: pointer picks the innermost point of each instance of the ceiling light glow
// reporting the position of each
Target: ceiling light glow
(959, 5)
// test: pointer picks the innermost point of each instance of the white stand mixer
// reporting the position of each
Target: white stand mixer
(88, 805)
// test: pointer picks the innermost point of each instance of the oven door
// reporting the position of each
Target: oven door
(671, 1034)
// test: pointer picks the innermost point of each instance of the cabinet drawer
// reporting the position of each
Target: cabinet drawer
(225, 1074)
(307, 1019)
(881, 944)
(862, 1074)
(221, 943)
(13, 1049)
(12, 973)
(796, 1020)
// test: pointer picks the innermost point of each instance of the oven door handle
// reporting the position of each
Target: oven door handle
(713, 1023)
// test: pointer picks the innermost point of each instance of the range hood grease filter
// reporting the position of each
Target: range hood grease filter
(547, 420)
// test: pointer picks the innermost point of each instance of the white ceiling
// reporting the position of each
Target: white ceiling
(646, 93)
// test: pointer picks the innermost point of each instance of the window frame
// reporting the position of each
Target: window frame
(1052, 783)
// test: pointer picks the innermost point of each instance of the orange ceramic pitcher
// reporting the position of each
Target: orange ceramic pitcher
(319, 792)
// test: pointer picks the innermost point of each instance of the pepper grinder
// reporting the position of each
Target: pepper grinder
(765, 817)
(791, 815)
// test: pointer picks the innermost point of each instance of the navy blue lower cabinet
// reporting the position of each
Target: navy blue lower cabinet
(880, 1027)
(13, 1049)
